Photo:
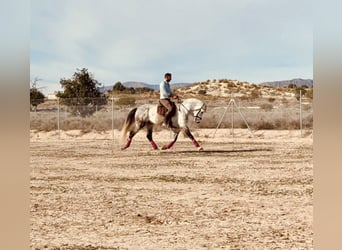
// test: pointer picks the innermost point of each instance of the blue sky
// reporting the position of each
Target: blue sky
(196, 40)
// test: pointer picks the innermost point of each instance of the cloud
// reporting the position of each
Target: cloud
(136, 40)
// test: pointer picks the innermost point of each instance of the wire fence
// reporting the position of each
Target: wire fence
(99, 115)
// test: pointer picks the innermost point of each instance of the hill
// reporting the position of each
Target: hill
(243, 90)
(134, 84)
(152, 86)
(225, 88)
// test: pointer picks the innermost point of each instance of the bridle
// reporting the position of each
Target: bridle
(198, 115)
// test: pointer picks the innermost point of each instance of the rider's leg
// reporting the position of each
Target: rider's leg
(167, 104)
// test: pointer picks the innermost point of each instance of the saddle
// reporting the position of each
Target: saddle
(161, 110)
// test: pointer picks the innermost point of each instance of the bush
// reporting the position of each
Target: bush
(36, 98)
(292, 86)
(309, 93)
(202, 92)
(264, 125)
(125, 101)
(266, 106)
(255, 94)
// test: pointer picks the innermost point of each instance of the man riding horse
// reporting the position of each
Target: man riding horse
(165, 98)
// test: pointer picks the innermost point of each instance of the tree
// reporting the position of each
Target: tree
(309, 93)
(118, 86)
(81, 93)
(301, 90)
(292, 86)
(36, 98)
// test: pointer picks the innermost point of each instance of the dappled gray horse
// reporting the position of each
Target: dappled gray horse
(146, 116)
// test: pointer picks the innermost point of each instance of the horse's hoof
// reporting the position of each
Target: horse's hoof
(200, 149)
(164, 147)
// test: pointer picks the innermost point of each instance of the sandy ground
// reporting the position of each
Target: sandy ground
(239, 193)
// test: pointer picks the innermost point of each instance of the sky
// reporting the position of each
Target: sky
(195, 40)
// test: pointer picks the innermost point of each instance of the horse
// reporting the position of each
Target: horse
(147, 116)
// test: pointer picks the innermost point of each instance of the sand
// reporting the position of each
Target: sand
(241, 192)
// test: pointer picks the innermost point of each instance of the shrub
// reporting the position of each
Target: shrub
(266, 106)
(243, 98)
(292, 86)
(36, 97)
(202, 92)
(127, 100)
(309, 93)
(255, 94)
(263, 125)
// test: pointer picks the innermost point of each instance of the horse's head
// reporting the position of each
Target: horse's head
(195, 107)
(198, 113)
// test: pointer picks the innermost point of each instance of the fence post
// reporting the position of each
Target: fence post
(58, 116)
(300, 113)
(112, 118)
(232, 118)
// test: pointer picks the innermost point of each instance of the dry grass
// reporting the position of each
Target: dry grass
(260, 113)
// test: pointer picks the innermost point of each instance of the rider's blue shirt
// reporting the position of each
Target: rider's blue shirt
(165, 90)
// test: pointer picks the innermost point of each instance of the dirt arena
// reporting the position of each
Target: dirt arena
(239, 193)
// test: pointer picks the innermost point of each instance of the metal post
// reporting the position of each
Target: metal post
(232, 119)
(300, 113)
(58, 117)
(225, 110)
(112, 118)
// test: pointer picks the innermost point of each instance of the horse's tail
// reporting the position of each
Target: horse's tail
(128, 123)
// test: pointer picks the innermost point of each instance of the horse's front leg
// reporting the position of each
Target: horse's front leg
(149, 137)
(192, 138)
(170, 144)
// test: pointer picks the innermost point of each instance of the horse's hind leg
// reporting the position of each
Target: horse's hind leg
(192, 138)
(149, 136)
(132, 133)
(170, 144)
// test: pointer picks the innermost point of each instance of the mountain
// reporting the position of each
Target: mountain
(298, 81)
(133, 84)
(155, 87)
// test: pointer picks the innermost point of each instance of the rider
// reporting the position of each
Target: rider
(165, 97)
